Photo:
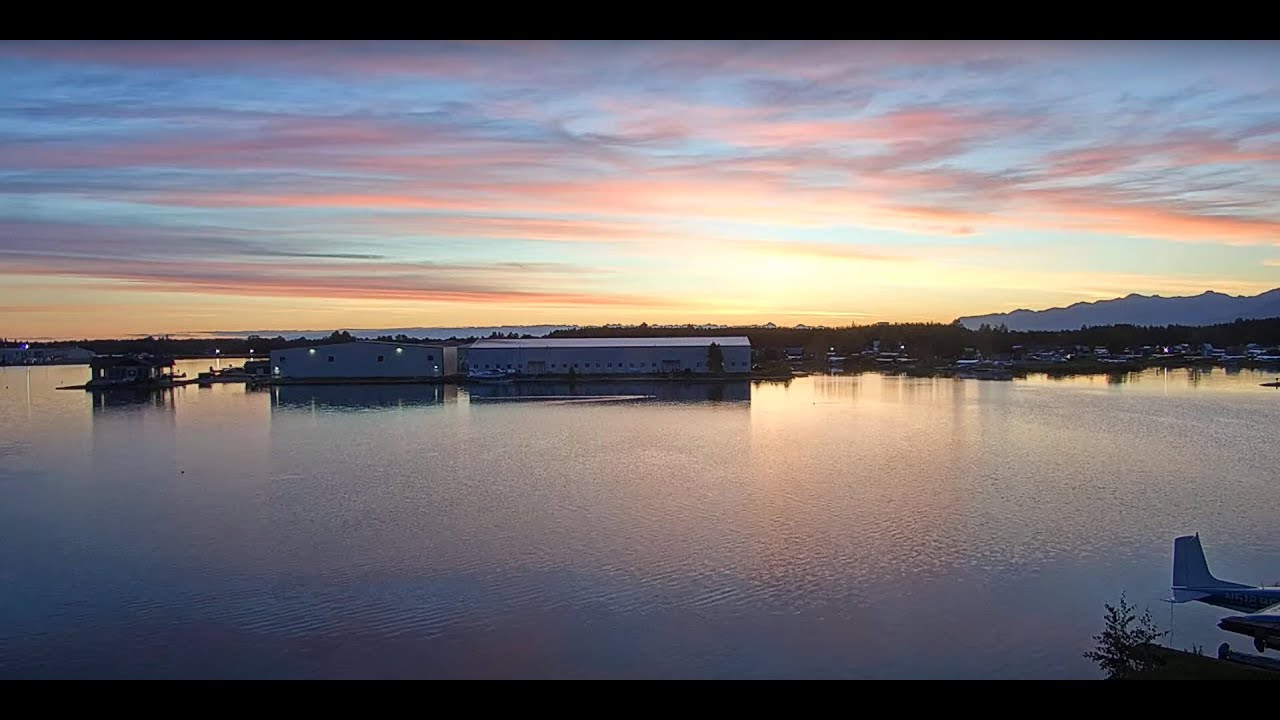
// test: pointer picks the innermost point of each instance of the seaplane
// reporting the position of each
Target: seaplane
(1192, 582)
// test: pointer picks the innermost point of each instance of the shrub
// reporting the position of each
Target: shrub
(1125, 649)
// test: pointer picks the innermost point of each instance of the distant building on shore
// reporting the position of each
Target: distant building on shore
(365, 359)
(608, 356)
(26, 355)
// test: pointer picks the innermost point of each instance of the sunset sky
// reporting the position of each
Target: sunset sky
(181, 187)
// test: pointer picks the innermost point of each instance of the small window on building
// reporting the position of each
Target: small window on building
(330, 358)
(283, 358)
(575, 364)
(508, 366)
(380, 358)
(486, 366)
(655, 364)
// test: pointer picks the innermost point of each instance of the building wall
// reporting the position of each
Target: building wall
(361, 360)
(450, 366)
(123, 374)
(604, 360)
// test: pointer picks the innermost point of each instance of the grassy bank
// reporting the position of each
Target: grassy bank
(1180, 665)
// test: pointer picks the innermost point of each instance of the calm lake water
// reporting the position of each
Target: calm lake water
(843, 527)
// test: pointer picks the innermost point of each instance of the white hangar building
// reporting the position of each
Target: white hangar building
(365, 359)
(607, 356)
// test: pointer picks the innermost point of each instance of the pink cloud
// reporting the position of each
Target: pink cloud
(422, 282)
(867, 165)
(1181, 150)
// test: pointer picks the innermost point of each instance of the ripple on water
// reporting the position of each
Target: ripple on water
(825, 529)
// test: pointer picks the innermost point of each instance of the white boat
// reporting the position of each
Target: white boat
(489, 376)
(984, 373)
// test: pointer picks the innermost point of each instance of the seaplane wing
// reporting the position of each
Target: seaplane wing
(1263, 626)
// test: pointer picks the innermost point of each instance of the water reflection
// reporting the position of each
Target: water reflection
(131, 398)
(358, 397)
(837, 389)
(661, 391)
(802, 534)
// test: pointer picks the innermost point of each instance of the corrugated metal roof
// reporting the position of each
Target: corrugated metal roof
(736, 341)
(325, 343)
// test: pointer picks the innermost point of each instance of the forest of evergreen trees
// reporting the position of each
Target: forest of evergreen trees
(930, 340)
(922, 340)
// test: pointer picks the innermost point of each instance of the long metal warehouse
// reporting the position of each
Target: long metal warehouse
(609, 356)
(365, 359)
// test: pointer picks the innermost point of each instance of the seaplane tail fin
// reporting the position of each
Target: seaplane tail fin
(1191, 570)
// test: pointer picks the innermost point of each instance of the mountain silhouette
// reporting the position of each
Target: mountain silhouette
(1207, 308)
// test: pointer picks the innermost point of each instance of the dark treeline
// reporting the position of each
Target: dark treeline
(922, 340)
(232, 346)
(928, 340)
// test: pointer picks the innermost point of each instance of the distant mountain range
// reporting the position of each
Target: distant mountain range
(1208, 308)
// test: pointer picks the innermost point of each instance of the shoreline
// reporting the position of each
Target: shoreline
(534, 380)
(985, 372)
(1088, 367)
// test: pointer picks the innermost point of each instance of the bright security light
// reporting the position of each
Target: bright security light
(399, 350)
(312, 351)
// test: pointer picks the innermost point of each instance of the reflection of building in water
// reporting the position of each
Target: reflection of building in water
(608, 356)
(362, 396)
(662, 391)
(832, 388)
(126, 398)
(137, 425)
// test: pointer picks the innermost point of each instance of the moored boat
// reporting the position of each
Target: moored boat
(489, 376)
